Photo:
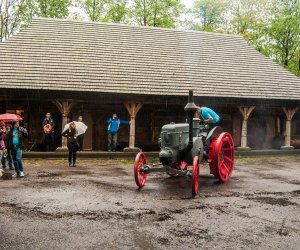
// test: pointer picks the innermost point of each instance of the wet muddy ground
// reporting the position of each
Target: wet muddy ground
(98, 206)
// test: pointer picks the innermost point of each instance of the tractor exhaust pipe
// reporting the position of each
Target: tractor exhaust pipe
(190, 108)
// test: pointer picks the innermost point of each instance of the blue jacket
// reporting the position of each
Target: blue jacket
(207, 113)
(21, 135)
(114, 124)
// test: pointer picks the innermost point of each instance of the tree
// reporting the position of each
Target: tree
(117, 11)
(283, 33)
(245, 15)
(95, 9)
(294, 64)
(52, 8)
(249, 19)
(209, 15)
(157, 13)
(11, 13)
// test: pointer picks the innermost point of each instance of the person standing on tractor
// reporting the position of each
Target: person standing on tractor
(113, 128)
(208, 116)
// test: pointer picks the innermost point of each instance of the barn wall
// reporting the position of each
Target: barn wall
(262, 124)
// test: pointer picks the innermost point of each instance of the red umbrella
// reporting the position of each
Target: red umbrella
(9, 117)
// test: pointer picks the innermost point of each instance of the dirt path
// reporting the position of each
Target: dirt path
(97, 206)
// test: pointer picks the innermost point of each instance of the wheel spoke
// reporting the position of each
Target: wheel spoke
(224, 169)
(228, 149)
(227, 169)
(228, 159)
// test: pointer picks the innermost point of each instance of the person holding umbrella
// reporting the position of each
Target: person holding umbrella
(6, 155)
(71, 131)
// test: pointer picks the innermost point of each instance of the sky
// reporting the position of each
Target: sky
(187, 3)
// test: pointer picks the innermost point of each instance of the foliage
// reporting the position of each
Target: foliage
(94, 9)
(117, 11)
(284, 33)
(10, 14)
(157, 13)
(52, 8)
(16, 14)
(210, 15)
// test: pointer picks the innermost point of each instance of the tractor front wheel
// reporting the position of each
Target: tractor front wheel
(195, 176)
(140, 177)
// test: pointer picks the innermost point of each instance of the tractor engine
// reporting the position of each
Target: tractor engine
(174, 141)
(180, 142)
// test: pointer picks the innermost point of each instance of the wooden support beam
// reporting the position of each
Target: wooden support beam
(65, 108)
(132, 108)
(245, 112)
(289, 113)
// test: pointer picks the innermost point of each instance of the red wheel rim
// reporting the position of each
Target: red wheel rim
(140, 178)
(222, 161)
(195, 176)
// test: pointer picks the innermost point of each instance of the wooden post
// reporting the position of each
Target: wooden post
(245, 111)
(64, 107)
(289, 112)
(133, 109)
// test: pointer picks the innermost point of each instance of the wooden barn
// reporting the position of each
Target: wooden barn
(143, 74)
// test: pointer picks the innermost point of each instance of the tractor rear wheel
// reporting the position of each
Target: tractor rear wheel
(140, 161)
(195, 176)
(221, 156)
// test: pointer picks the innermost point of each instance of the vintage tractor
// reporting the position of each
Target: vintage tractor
(185, 144)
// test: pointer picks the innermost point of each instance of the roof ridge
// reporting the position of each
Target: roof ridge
(135, 26)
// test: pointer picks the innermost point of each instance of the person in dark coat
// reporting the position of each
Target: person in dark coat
(48, 127)
(71, 134)
(16, 139)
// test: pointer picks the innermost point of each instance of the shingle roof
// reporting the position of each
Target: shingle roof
(101, 57)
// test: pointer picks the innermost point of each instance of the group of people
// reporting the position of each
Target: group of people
(11, 143)
(48, 137)
(12, 136)
(74, 140)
